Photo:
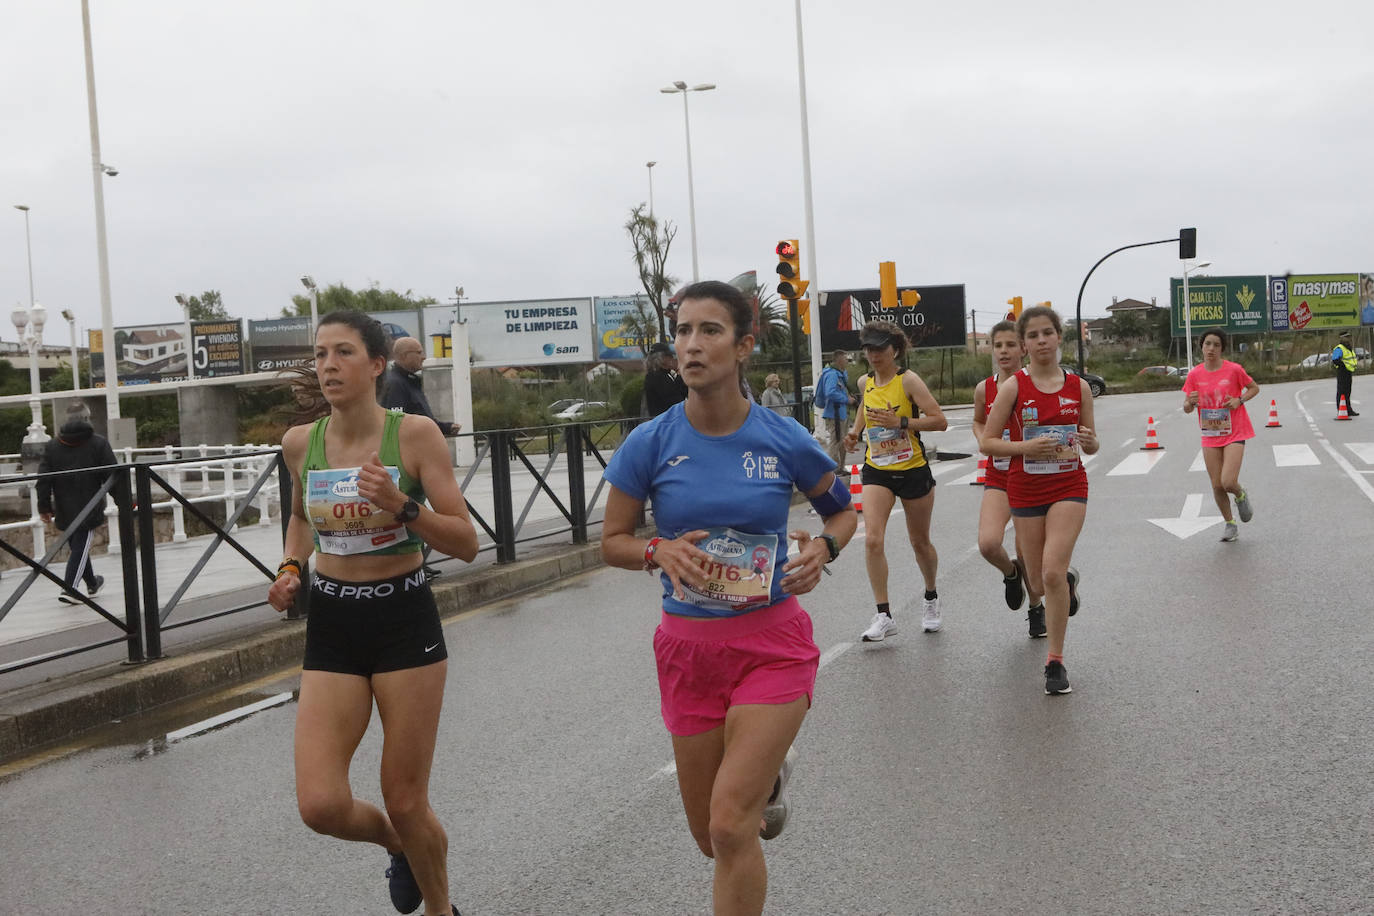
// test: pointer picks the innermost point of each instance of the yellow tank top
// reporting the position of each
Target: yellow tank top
(891, 449)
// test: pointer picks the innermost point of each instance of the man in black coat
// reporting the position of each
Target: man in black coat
(76, 446)
(401, 385)
(663, 387)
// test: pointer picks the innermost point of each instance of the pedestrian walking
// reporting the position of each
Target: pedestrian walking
(736, 659)
(995, 512)
(361, 475)
(402, 388)
(1050, 414)
(833, 397)
(773, 398)
(1343, 361)
(663, 386)
(896, 408)
(61, 499)
(1218, 389)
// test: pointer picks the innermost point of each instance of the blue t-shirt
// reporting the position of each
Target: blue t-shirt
(739, 487)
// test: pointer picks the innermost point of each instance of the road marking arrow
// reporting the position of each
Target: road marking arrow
(1190, 521)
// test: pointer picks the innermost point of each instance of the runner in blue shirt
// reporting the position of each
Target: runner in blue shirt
(736, 659)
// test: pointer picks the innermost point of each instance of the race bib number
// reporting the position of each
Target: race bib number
(345, 522)
(1065, 452)
(1003, 464)
(1214, 421)
(739, 572)
(889, 446)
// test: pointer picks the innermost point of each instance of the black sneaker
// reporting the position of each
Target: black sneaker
(1015, 585)
(95, 588)
(405, 893)
(1036, 617)
(1073, 591)
(1056, 679)
(68, 599)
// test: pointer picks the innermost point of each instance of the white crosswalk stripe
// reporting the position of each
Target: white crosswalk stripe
(1136, 463)
(1291, 456)
(1199, 463)
(1363, 451)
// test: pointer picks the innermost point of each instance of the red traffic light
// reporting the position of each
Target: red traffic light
(786, 249)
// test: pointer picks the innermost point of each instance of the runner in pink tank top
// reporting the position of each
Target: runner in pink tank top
(1218, 389)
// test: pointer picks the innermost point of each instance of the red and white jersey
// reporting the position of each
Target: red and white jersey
(996, 473)
(1039, 482)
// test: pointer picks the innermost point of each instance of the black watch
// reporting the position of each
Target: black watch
(409, 512)
(831, 545)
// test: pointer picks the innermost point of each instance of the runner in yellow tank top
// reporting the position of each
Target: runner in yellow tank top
(897, 406)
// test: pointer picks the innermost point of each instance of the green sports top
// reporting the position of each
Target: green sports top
(350, 524)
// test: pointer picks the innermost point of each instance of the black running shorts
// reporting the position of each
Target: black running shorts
(912, 483)
(367, 628)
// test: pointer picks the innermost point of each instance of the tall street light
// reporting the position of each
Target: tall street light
(28, 248)
(28, 323)
(190, 350)
(650, 165)
(680, 86)
(810, 234)
(1188, 309)
(76, 366)
(98, 172)
(309, 283)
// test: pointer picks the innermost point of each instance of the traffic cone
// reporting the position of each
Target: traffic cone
(1273, 415)
(982, 472)
(1341, 413)
(1151, 439)
(856, 488)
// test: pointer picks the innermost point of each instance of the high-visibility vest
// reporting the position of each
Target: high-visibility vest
(1345, 356)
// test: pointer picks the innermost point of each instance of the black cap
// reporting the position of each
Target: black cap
(876, 337)
(661, 347)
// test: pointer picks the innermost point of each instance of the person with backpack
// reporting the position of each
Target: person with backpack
(832, 397)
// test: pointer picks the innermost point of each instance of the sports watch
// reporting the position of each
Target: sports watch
(831, 545)
(408, 512)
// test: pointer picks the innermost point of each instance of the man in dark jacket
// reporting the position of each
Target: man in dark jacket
(76, 446)
(663, 387)
(401, 386)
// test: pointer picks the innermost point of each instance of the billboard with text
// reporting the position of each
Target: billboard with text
(936, 321)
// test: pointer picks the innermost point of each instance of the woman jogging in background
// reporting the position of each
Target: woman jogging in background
(896, 408)
(736, 659)
(1218, 389)
(1050, 414)
(360, 475)
(995, 511)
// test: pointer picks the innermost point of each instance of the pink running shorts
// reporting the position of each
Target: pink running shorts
(705, 666)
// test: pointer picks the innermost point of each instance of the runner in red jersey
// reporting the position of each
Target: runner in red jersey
(1050, 415)
(995, 512)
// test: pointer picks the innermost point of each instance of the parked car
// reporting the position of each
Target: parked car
(563, 404)
(582, 410)
(1321, 359)
(1096, 383)
(1169, 371)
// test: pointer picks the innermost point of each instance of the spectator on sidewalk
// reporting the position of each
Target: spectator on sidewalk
(663, 387)
(402, 389)
(773, 398)
(833, 397)
(61, 499)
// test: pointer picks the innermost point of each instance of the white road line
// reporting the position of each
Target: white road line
(1363, 485)
(225, 717)
(1128, 442)
(1136, 463)
(1294, 456)
(946, 467)
(1363, 451)
(1199, 463)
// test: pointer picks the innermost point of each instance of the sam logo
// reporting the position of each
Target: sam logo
(551, 350)
(723, 547)
(348, 487)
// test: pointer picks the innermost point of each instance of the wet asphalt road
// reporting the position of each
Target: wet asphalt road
(1214, 757)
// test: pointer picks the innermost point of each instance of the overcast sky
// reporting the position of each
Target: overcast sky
(499, 146)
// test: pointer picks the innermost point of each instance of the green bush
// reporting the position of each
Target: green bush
(630, 396)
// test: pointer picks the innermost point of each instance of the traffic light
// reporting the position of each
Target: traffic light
(887, 284)
(1014, 312)
(1187, 244)
(804, 311)
(790, 283)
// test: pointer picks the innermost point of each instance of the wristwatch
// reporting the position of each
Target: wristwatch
(831, 545)
(409, 512)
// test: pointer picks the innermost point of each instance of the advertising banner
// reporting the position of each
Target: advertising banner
(144, 354)
(1278, 303)
(1320, 301)
(1237, 305)
(281, 343)
(936, 321)
(217, 347)
(1367, 299)
(613, 341)
(540, 332)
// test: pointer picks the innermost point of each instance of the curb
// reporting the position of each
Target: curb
(58, 710)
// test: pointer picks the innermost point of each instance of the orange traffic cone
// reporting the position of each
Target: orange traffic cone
(1151, 439)
(856, 488)
(1341, 413)
(982, 472)
(1273, 415)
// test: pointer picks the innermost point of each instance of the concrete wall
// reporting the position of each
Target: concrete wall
(209, 415)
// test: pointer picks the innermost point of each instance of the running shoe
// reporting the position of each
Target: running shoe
(881, 628)
(1243, 507)
(1015, 585)
(1035, 615)
(1073, 591)
(1231, 532)
(66, 598)
(930, 616)
(1056, 679)
(405, 893)
(775, 811)
(96, 587)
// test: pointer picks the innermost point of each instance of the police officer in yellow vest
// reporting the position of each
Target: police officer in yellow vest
(1343, 361)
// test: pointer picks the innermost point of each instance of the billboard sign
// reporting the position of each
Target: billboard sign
(217, 347)
(281, 343)
(144, 354)
(540, 332)
(1321, 301)
(1237, 305)
(613, 340)
(936, 321)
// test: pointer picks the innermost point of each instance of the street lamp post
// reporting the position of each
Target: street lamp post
(650, 165)
(309, 283)
(680, 86)
(76, 366)
(190, 348)
(1188, 310)
(28, 248)
(98, 172)
(29, 325)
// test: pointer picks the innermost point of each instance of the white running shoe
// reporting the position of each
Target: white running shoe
(881, 628)
(1231, 532)
(930, 616)
(775, 811)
